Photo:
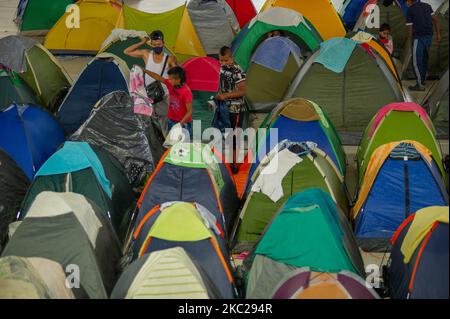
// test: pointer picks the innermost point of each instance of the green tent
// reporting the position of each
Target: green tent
(14, 90)
(352, 97)
(39, 16)
(118, 207)
(392, 124)
(314, 170)
(69, 229)
(293, 24)
(310, 230)
(437, 104)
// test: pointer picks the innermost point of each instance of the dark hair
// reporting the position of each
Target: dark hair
(157, 35)
(224, 51)
(385, 27)
(178, 71)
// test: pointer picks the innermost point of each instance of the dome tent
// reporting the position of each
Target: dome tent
(14, 90)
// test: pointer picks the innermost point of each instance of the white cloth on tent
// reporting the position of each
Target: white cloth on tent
(363, 37)
(155, 6)
(122, 35)
(279, 16)
(270, 178)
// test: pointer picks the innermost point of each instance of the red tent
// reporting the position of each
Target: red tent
(243, 9)
(202, 74)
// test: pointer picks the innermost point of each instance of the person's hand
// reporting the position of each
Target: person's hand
(438, 38)
(220, 97)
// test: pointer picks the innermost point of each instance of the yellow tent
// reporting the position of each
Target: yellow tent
(179, 32)
(320, 13)
(97, 18)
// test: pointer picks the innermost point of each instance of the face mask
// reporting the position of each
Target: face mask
(158, 50)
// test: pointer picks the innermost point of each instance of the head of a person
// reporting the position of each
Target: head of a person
(385, 31)
(275, 33)
(410, 2)
(226, 56)
(157, 41)
(177, 76)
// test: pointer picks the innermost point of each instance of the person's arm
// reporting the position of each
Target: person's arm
(437, 27)
(153, 75)
(172, 61)
(188, 114)
(134, 52)
(240, 92)
(410, 26)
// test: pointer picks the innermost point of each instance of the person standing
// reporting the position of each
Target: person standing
(420, 21)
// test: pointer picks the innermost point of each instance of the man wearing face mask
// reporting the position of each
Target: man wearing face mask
(159, 62)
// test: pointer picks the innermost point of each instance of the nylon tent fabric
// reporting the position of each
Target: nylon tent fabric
(114, 127)
(99, 15)
(14, 90)
(352, 97)
(397, 125)
(210, 19)
(38, 68)
(183, 225)
(150, 278)
(59, 221)
(29, 136)
(273, 66)
(39, 16)
(400, 174)
(314, 171)
(305, 284)
(13, 187)
(425, 276)
(193, 173)
(437, 105)
(352, 11)
(320, 13)
(106, 73)
(118, 208)
(154, 6)
(117, 47)
(243, 9)
(179, 32)
(297, 28)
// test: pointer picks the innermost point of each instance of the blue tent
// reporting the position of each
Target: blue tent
(397, 192)
(425, 273)
(352, 12)
(29, 135)
(101, 76)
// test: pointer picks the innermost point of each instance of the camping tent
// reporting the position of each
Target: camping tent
(273, 66)
(306, 284)
(100, 16)
(202, 77)
(277, 174)
(393, 189)
(114, 127)
(39, 16)
(14, 90)
(301, 120)
(437, 104)
(214, 22)
(141, 279)
(243, 9)
(320, 13)
(172, 18)
(194, 173)
(37, 67)
(418, 267)
(32, 278)
(395, 122)
(69, 229)
(117, 47)
(309, 230)
(350, 80)
(193, 228)
(295, 26)
(78, 168)
(106, 73)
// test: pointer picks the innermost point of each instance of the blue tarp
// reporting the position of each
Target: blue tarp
(73, 157)
(100, 78)
(335, 53)
(29, 135)
(382, 214)
(274, 53)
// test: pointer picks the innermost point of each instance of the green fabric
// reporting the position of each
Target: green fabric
(259, 208)
(350, 98)
(440, 120)
(258, 31)
(201, 112)
(118, 47)
(397, 126)
(306, 234)
(267, 86)
(43, 14)
(13, 90)
(180, 222)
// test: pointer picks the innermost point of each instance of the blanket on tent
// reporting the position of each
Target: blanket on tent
(142, 104)
(335, 53)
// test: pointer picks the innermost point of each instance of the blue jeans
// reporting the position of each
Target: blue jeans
(187, 126)
(420, 54)
(221, 118)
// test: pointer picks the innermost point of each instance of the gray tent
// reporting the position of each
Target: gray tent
(437, 104)
(67, 228)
